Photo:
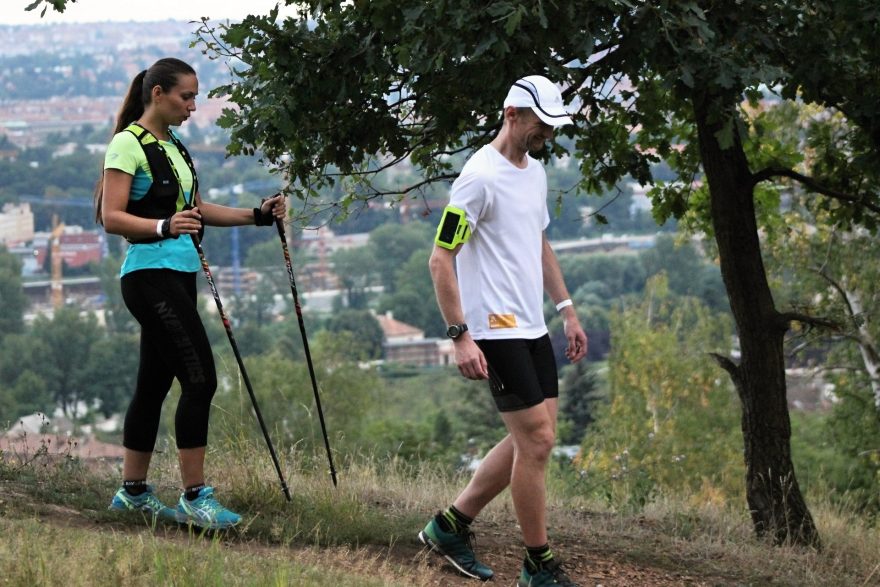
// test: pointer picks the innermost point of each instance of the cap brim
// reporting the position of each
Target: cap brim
(553, 118)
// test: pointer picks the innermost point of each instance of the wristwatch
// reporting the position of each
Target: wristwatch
(166, 228)
(456, 330)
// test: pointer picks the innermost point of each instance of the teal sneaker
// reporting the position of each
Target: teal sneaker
(146, 502)
(205, 511)
(457, 549)
(548, 574)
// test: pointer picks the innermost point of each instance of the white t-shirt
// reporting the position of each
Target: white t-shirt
(499, 269)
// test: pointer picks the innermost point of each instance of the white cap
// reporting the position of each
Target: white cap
(542, 96)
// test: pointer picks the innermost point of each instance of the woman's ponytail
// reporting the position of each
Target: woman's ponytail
(133, 105)
(132, 108)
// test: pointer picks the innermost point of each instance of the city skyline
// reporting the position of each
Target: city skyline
(85, 11)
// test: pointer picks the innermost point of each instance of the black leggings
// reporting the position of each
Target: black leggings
(173, 344)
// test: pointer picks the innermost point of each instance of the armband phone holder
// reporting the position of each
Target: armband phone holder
(453, 229)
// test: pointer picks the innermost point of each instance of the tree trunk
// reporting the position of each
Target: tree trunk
(774, 497)
(870, 356)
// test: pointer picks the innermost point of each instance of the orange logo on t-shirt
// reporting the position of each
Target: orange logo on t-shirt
(502, 321)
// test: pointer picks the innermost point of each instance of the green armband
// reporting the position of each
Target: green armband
(453, 229)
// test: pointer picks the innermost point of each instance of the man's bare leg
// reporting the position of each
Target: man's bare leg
(491, 478)
(533, 432)
(494, 473)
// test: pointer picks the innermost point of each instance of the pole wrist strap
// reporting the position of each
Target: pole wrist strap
(261, 219)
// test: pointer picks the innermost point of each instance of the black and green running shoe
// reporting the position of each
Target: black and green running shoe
(457, 548)
(546, 575)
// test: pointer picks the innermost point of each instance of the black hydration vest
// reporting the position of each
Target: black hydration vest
(165, 196)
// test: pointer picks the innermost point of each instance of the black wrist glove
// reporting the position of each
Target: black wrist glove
(201, 233)
(261, 219)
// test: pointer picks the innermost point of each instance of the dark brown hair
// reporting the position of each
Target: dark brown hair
(164, 73)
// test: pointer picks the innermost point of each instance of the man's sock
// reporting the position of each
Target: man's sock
(193, 492)
(453, 520)
(537, 557)
(135, 487)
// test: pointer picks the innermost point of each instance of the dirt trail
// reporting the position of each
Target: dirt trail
(586, 562)
(589, 563)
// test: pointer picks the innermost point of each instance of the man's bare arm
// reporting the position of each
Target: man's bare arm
(468, 356)
(554, 285)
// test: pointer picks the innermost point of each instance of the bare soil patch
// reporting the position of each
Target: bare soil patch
(590, 560)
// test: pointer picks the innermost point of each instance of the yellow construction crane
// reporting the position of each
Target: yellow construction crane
(55, 285)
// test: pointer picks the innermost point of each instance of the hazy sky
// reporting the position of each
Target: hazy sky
(13, 11)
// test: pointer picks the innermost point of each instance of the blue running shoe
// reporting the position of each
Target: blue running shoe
(457, 549)
(205, 511)
(146, 502)
(548, 574)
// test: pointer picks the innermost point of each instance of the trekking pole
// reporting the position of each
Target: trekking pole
(244, 375)
(302, 329)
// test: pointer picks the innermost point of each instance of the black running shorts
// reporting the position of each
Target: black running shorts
(522, 372)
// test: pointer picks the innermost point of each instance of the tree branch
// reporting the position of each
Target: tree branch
(838, 288)
(726, 364)
(480, 139)
(810, 320)
(415, 186)
(773, 171)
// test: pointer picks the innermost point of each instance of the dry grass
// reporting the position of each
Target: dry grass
(57, 531)
(36, 553)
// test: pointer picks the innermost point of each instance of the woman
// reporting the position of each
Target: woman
(149, 195)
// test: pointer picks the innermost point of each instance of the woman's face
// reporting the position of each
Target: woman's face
(176, 105)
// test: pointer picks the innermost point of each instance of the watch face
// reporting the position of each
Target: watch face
(455, 330)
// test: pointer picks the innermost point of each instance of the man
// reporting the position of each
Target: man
(493, 230)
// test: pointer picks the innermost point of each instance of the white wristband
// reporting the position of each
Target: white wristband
(563, 304)
(159, 227)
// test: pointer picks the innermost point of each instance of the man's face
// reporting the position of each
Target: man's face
(532, 132)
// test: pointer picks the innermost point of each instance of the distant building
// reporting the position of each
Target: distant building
(225, 278)
(64, 150)
(396, 331)
(25, 446)
(607, 243)
(55, 438)
(405, 344)
(317, 246)
(16, 224)
(55, 445)
(640, 201)
(78, 246)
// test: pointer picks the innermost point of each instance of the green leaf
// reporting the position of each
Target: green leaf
(513, 20)
(499, 9)
(724, 79)
(542, 16)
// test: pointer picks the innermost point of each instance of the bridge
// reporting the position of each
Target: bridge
(605, 244)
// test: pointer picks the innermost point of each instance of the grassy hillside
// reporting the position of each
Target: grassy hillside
(57, 531)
